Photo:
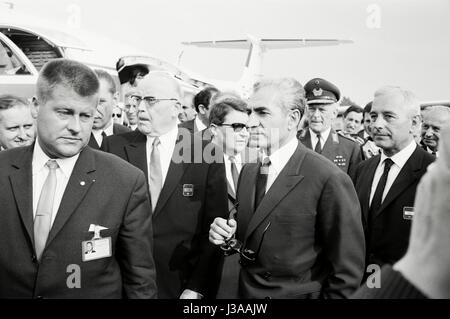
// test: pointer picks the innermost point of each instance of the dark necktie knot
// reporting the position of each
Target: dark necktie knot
(103, 134)
(387, 164)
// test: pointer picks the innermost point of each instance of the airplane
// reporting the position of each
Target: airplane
(27, 43)
(256, 48)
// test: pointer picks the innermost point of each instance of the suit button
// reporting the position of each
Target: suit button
(266, 275)
(34, 259)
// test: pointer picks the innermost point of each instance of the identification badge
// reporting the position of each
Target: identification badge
(188, 190)
(408, 213)
(97, 247)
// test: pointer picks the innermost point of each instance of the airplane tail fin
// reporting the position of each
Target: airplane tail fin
(256, 48)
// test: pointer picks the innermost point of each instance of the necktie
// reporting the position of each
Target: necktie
(155, 174)
(234, 172)
(261, 181)
(103, 138)
(43, 219)
(318, 148)
(377, 197)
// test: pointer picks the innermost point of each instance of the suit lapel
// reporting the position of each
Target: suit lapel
(246, 197)
(287, 179)
(174, 174)
(83, 176)
(22, 187)
(328, 150)
(93, 142)
(367, 175)
(136, 152)
(408, 175)
(306, 140)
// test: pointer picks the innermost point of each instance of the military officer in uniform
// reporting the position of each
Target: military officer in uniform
(322, 97)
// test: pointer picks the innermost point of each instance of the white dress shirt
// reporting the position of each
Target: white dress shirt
(166, 147)
(40, 173)
(199, 124)
(279, 159)
(323, 137)
(238, 161)
(399, 160)
(98, 133)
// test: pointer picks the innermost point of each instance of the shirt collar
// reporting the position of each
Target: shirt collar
(281, 156)
(324, 135)
(109, 130)
(199, 124)
(40, 159)
(401, 157)
(237, 158)
(167, 140)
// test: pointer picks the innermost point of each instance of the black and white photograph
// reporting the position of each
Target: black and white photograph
(237, 153)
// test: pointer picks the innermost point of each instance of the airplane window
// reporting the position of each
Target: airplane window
(9, 63)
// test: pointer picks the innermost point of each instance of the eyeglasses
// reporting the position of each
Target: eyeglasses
(149, 100)
(248, 256)
(117, 115)
(237, 127)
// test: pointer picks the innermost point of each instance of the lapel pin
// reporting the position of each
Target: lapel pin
(82, 183)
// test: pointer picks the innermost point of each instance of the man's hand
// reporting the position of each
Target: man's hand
(190, 294)
(221, 229)
(426, 263)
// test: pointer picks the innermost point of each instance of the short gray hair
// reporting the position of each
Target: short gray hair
(409, 98)
(291, 92)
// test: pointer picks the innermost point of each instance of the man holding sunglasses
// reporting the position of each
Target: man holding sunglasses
(299, 231)
(186, 195)
(228, 125)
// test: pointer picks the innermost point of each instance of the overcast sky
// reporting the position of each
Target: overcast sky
(400, 42)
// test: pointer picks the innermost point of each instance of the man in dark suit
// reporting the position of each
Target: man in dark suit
(187, 190)
(58, 194)
(423, 271)
(202, 102)
(298, 221)
(322, 97)
(103, 121)
(386, 184)
(228, 120)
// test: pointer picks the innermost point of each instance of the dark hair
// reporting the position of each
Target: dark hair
(68, 73)
(103, 75)
(353, 108)
(135, 71)
(8, 101)
(203, 97)
(221, 109)
(367, 108)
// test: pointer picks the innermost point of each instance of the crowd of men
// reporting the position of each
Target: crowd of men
(208, 195)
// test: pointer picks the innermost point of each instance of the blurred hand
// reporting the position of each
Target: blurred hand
(427, 262)
(190, 294)
(222, 229)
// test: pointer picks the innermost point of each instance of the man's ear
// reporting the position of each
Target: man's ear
(294, 119)
(34, 107)
(416, 123)
(213, 129)
(201, 109)
(116, 97)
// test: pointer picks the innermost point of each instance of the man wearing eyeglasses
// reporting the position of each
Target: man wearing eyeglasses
(186, 195)
(299, 232)
(103, 121)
